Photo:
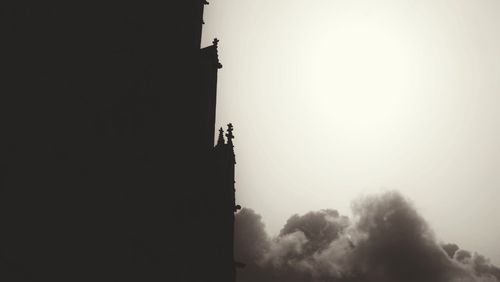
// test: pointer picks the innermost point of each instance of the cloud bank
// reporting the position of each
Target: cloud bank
(385, 241)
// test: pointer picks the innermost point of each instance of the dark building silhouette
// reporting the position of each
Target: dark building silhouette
(108, 165)
(225, 208)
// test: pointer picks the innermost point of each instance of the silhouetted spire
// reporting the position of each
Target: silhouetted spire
(221, 140)
(215, 44)
(229, 134)
(212, 53)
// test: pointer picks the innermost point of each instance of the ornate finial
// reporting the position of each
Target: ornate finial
(221, 140)
(229, 134)
(215, 42)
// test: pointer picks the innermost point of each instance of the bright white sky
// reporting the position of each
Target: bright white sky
(332, 99)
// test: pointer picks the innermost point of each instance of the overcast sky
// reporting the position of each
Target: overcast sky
(333, 99)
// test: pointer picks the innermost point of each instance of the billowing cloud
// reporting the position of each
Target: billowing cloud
(386, 241)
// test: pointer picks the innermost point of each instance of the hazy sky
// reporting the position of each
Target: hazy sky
(333, 99)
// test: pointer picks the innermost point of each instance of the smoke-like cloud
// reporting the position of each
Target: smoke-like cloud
(385, 241)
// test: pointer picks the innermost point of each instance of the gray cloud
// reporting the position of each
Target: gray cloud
(386, 240)
(450, 249)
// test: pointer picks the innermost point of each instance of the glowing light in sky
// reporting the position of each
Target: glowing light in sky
(333, 99)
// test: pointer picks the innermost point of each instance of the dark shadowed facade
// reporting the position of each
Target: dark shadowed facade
(107, 158)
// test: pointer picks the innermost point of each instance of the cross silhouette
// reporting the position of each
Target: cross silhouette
(215, 42)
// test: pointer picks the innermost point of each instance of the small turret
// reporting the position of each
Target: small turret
(230, 135)
(221, 141)
(215, 45)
